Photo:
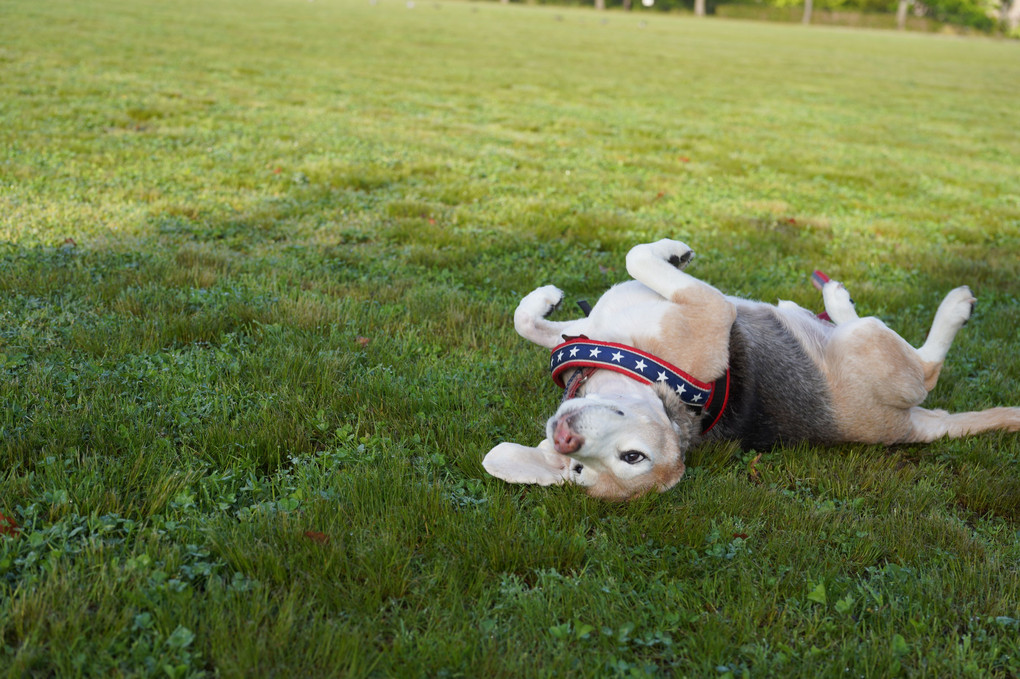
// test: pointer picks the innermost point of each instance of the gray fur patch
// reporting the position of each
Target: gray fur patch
(778, 393)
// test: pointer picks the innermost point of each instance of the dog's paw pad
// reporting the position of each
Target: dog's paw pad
(682, 260)
(673, 251)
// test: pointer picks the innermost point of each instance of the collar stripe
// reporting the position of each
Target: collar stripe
(634, 363)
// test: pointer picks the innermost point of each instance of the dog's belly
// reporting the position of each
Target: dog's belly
(778, 393)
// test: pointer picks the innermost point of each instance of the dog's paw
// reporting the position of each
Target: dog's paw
(838, 304)
(675, 252)
(540, 302)
(958, 306)
(659, 265)
(836, 297)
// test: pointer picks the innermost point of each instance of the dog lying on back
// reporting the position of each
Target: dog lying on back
(665, 362)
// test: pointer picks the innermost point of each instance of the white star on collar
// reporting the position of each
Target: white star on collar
(594, 352)
(640, 365)
(573, 351)
(617, 357)
(662, 377)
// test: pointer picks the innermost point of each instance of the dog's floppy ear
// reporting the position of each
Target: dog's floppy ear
(521, 464)
(683, 417)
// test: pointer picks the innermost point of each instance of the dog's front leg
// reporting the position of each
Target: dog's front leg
(695, 334)
(530, 318)
(660, 265)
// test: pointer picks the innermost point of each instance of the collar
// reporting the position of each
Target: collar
(590, 355)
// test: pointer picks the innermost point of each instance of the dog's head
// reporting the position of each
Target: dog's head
(621, 447)
(617, 447)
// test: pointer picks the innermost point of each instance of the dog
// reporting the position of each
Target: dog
(665, 362)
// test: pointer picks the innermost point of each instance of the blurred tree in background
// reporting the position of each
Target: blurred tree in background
(982, 15)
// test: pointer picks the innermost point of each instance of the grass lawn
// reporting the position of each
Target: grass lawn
(258, 260)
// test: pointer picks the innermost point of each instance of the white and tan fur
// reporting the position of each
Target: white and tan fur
(797, 378)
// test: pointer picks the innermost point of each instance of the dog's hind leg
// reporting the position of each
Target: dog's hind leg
(929, 425)
(838, 304)
(953, 313)
(530, 318)
(878, 380)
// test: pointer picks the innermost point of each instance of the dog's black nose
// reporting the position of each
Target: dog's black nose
(578, 467)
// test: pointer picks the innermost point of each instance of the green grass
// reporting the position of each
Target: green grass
(257, 268)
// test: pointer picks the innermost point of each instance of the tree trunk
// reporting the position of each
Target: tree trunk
(626, 5)
(901, 14)
(699, 8)
(807, 11)
(600, 4)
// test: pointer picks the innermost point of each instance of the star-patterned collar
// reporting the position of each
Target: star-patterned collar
(581, 352)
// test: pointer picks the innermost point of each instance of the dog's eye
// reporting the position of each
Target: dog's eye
(632, 456)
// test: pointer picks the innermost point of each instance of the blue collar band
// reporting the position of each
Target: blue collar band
(581, 352)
